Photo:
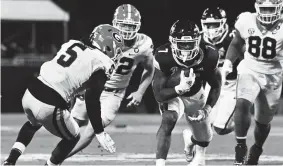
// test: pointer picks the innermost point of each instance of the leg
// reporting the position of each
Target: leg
(79, 112)
(27, 131)
(24, 138)
(64, 126)
(200, 138)
(108, 113)
(86, 138)
(169, 119)
(110, 104)
(265, 108)
(201, 132)
(227, 130)
(171, 112)
(223, 122)
(248, 89)
(242, 119)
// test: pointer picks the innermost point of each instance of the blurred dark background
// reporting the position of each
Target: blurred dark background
(21, 58)
(157, 15)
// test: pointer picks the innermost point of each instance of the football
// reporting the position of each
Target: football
(174, 79)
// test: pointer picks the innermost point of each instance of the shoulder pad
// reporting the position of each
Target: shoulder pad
(145, 43)
(211, 57)
(242, 20)
(163, 57)
(69, 43)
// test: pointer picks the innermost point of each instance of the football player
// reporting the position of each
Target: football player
(138, 50)
(260, 74)
(184, 52)
(217, 32)
(76, 65)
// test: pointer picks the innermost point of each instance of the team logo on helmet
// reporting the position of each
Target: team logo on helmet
(117, 37)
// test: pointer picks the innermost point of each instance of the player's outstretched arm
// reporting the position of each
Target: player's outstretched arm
(86, 138)
(160, 92)
(235, 48)
(146, 79)
(92, 99)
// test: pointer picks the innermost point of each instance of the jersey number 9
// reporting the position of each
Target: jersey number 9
(72, 54)
(266, 47)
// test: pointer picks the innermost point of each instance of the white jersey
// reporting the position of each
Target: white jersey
(264, 48)
(72, 66)
(128, 62)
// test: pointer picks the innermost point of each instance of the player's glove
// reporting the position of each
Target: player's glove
(185, 82)
(106, 142)
(201, 114)
(226, 69)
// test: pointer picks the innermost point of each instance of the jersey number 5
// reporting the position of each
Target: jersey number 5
(72, 54)
(268, 49)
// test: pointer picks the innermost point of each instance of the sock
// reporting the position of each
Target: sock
(160, 162)
(49, 162)
(241, 140)
(16, 151)
(26, 133)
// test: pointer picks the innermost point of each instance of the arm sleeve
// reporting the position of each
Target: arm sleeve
(92, 98)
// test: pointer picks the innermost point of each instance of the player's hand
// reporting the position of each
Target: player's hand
(185, 82)
(226, 69)
(136, 99)
(200, 115)
(106, 142)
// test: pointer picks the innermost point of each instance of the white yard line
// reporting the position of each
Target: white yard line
(146, 129)
(137, 157)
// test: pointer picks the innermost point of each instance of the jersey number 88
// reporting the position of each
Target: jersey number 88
(266, 47)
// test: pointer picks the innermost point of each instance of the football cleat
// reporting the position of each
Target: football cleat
(190, 148)
(199, 158)
(8, 163)
(240, 154)
(254, 155)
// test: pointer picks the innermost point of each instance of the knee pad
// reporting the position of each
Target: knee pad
(200, 143)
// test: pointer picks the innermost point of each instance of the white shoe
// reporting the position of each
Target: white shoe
(199, 159)
(190, 147)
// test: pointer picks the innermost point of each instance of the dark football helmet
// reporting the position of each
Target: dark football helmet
(185, 38)
(213, 22)
(268, 11)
